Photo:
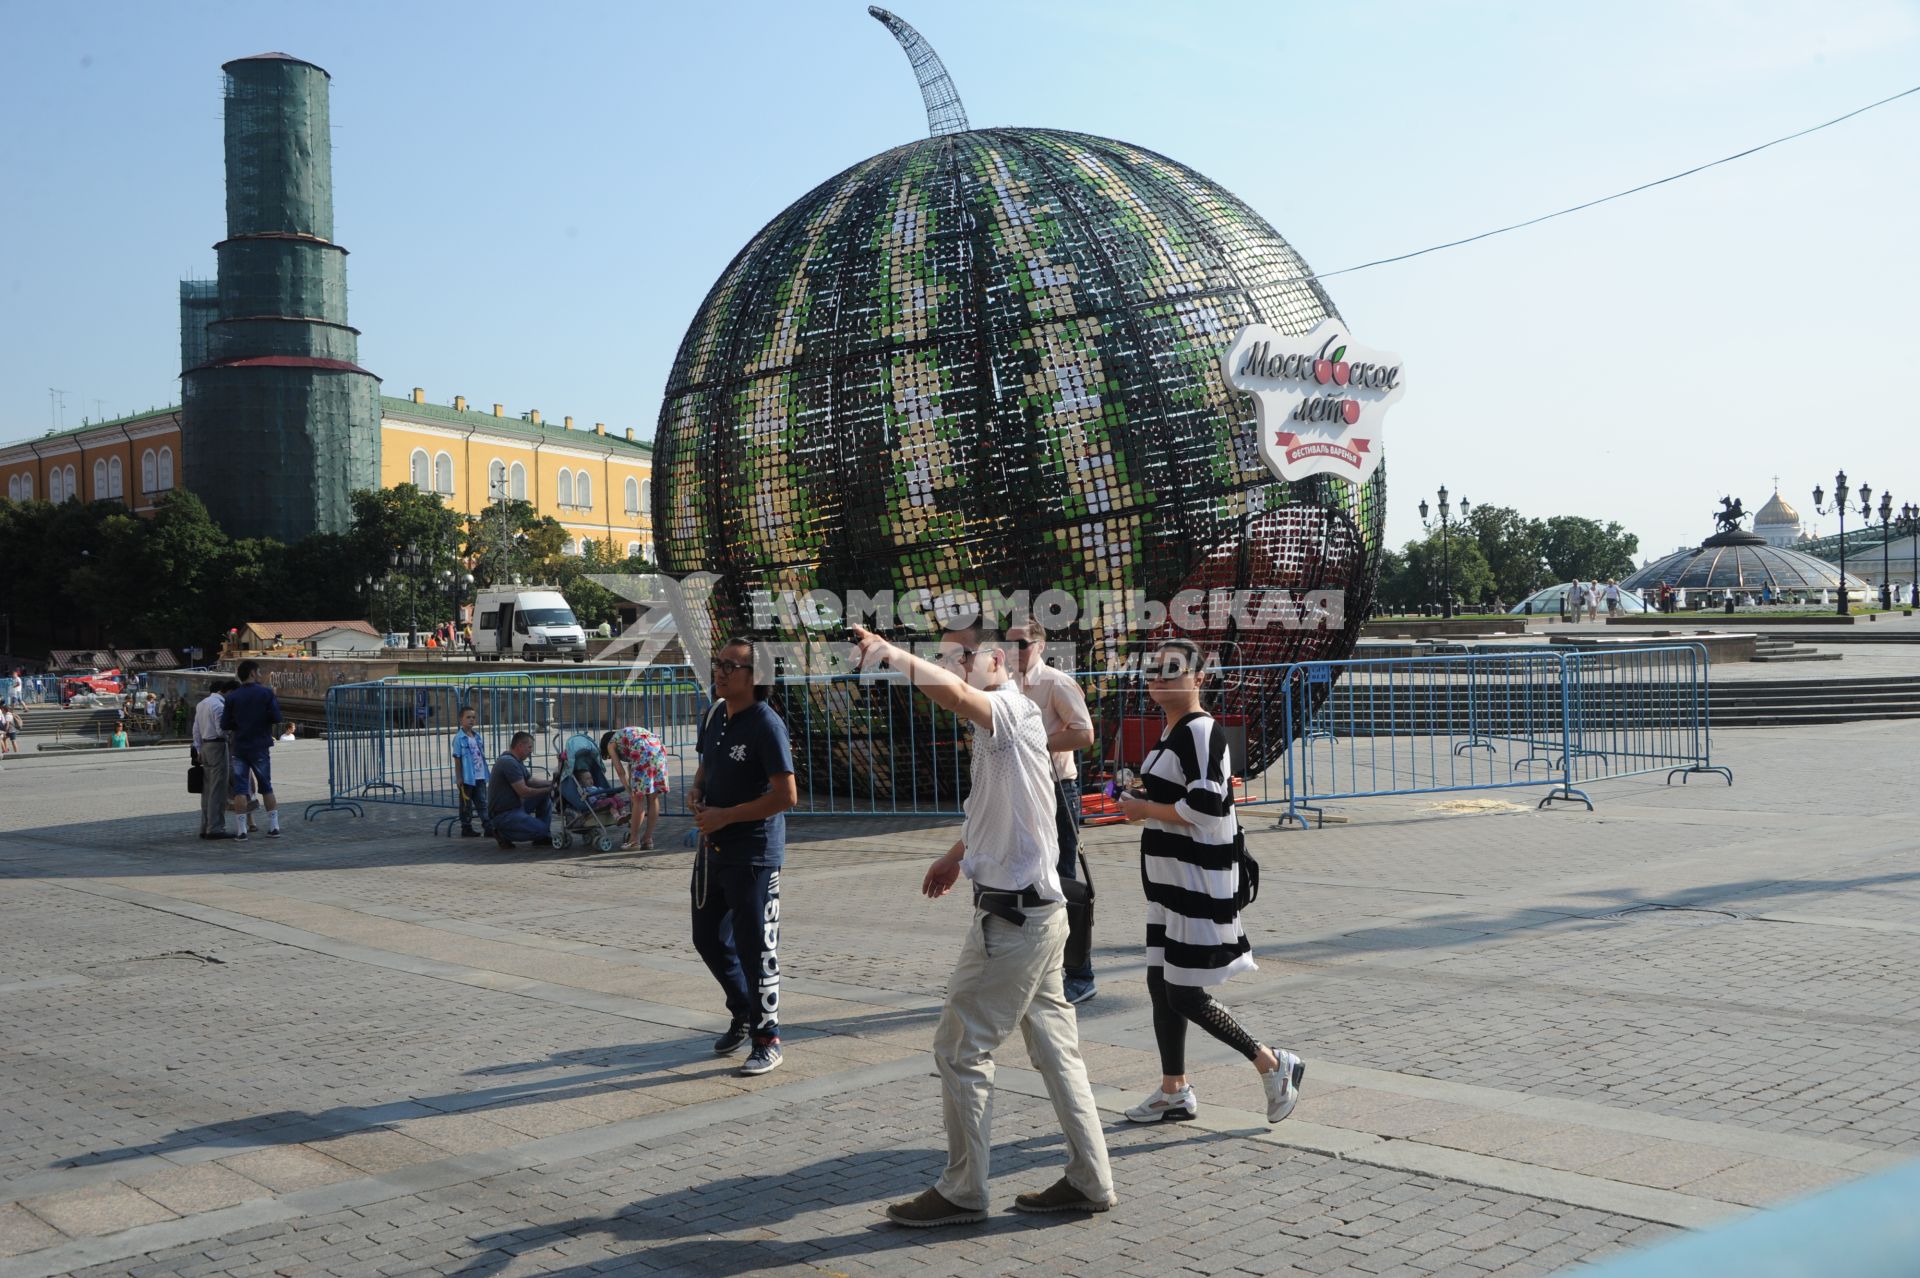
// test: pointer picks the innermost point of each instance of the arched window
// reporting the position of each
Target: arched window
(443, 474)
(646, 498)
(166, 469)
(56, 487)
(583, 490)
(13, 488)
(149, 471)
(496, 480)
(633, 496)
(26, 486)
(566, 487)
(100, 479)
(417, 469)
(73, 485)
(633, 547)
(566, 547)
(116, 483)
(517, 482)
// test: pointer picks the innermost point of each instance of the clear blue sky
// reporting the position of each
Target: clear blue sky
(538, 196)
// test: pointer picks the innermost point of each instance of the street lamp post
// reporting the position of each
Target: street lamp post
(1886, 573)
(1911, 514)
(1446, 549)
(413, 561)
(1841, 500)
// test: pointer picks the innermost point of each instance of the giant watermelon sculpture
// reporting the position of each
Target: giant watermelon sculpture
(990, 360)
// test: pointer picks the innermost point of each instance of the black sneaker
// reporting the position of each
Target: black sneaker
(764, 1058)
(733, 1040)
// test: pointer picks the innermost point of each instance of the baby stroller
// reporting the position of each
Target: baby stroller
(590, 809)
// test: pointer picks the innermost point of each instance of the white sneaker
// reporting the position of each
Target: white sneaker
(1283, 1085)
(1167, 1107)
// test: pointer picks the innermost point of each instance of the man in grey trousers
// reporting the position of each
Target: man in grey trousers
(210, 747)
(1008, 974)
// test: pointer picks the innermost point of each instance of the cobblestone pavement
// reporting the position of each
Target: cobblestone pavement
(1533, 1038)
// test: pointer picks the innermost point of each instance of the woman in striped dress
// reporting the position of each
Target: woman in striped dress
(1190, 870)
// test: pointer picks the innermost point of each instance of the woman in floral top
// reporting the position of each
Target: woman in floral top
(641, 763)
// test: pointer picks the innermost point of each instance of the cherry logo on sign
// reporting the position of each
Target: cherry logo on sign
(1319, 396)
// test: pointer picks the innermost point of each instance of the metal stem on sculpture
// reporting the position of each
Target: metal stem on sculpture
(944, 112)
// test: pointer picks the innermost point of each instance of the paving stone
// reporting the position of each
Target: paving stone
(22, 1231)
(1766, 1182)
(286, 1168)
(201, 1187)
(1667, 1164)
(97, 1209)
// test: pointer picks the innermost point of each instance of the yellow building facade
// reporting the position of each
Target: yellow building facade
(595, 482)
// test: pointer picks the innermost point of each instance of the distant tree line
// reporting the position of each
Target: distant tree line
(1499, 554)
(92, 574)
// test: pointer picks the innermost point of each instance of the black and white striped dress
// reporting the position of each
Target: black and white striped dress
(1190, 872)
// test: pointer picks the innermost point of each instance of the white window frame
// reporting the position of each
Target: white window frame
(496, 479)
(633, 495)
(13, 488)
(116, 478)
(563, 488)
(26, 486)
(582, 490)
(73, 485)
(438, 458)
(517, 482)
(166, 469)
(99, 479)
(149, 471)
(420, 470)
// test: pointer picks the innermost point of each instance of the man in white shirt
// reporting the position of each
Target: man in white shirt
(1008, 975)
(1069, 727)
(210, 749)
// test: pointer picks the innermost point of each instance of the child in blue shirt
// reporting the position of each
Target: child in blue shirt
(470, 772)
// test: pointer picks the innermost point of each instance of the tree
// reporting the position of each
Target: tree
(1586, 549)
(1420, 573)
(1512, 546)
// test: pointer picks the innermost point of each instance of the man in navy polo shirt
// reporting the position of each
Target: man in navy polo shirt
(744, 786)
(252, 715)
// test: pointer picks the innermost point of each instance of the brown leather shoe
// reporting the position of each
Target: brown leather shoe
(1061, 1196)
(931, 1209)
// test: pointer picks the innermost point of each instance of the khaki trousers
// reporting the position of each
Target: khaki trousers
(1009, 976)
(216, 773)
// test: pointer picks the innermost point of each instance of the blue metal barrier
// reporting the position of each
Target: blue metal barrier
(868, 745)
(391, 741)
(1556, 717)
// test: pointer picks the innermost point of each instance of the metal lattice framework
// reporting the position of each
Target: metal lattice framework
(990, 361)
(944, 112)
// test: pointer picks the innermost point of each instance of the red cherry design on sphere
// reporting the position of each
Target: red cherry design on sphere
(1323, 371)
(1350, 409)
(1340, 371)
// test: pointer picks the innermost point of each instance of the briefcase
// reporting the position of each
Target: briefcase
(196, 779)
(1079, 894)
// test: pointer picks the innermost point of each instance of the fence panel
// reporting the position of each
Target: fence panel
(868, 745)
(391, 742)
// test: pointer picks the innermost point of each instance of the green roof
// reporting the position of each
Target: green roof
(70, 431)
(553, 432)
(431, 414)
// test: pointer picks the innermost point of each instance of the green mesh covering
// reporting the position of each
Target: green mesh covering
(279, 148)
(280, 424)
(199, 307)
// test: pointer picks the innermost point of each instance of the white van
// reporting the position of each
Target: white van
(526, 621)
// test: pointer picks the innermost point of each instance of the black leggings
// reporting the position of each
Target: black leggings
(1174, 1006)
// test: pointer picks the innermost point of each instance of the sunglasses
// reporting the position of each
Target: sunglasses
(728, 667)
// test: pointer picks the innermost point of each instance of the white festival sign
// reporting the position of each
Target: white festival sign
(1320, 396)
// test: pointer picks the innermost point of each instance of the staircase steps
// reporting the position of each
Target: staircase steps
(1768, 648)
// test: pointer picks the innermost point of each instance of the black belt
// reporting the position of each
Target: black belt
(1007, 905)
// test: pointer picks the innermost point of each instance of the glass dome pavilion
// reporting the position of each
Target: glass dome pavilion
(1742, 562)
